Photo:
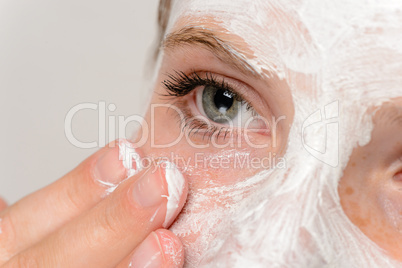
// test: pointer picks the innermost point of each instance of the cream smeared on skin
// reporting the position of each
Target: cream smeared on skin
(175, 182)
(346, 51)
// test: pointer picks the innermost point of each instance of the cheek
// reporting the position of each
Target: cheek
(206, 166)
(207, 162)
(217, 175)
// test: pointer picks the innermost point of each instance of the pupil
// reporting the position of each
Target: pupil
(223, 100)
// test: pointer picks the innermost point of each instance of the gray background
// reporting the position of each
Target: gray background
(53, 56)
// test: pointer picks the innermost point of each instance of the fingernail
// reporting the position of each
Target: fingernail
(130, 157)
(166, 182)
(150, 189)
(176, 183)
(108, 169)
(172, 248)
(114, 166)
(148, 254)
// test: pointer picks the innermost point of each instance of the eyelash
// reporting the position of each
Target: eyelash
(180, 85)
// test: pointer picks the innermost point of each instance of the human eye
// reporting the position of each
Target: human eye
(213, 105)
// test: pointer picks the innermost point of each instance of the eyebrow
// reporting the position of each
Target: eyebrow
(223, 50)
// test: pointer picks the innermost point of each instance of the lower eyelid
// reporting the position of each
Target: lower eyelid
(190, 121)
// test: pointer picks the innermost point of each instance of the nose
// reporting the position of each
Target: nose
(371, 187)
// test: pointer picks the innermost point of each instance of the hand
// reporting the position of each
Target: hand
(74, 222)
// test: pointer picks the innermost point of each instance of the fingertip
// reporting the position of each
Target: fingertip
(172, 248)
(177, 191)
(160, 248)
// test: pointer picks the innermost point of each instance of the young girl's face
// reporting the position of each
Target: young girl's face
(264, 107)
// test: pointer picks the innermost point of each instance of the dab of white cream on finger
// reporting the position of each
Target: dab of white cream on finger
(131, 161)
(175, 183)
(130, 157)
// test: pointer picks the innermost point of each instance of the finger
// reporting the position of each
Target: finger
(160, 249)
(3, 204)
(115, 226)
(37, 215)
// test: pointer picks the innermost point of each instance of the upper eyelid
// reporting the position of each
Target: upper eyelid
(238, 87)
(228, 83)
(231, 84)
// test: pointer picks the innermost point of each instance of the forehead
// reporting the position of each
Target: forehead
(330, 38)
(333, 16)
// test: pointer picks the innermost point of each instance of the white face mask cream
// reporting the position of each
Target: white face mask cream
(340, 59)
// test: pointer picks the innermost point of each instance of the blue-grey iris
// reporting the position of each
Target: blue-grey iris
(219, 105)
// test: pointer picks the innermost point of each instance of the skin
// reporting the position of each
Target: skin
(373, 205)
(369, 189)
(211, 175)
(78, 226)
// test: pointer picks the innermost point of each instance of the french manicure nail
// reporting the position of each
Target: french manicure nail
(175, 182)
(130, 157)
(153, 187)
(148, 254)
(117, 164)
(150, 189)
(109, 170)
